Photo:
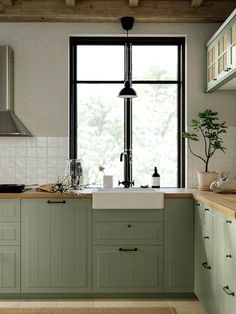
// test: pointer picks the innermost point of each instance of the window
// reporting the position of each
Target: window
(97, 114)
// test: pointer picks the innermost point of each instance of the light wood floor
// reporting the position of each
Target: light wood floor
(182, 306)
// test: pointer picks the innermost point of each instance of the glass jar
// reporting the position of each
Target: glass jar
(74, 173)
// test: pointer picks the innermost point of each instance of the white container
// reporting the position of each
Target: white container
(107, 182)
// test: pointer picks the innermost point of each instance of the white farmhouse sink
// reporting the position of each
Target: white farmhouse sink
(132, 198)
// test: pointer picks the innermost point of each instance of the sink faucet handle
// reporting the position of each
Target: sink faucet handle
(121, 157)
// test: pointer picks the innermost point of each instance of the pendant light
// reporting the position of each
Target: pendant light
(127, 92)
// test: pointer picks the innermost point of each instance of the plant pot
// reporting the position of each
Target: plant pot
(205, 179)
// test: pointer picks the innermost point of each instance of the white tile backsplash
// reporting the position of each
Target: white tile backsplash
(219, 162)
(32, 160)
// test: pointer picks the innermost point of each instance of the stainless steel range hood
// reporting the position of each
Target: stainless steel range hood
(10, 124)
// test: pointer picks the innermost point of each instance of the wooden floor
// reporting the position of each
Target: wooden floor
(182, 307)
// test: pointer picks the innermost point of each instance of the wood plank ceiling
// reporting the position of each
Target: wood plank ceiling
(159, 11)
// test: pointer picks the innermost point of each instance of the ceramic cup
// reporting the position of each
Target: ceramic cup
(107, 182)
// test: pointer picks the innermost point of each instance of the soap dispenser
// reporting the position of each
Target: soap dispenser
(155, 179)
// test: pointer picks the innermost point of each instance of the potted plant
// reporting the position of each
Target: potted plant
(208, 127)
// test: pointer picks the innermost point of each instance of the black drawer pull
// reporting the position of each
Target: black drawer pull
(206, 237)
(56, 202)
(228, 291)
(205, 265)
(128, 250)
(197, 204)
(129, 226)
(228, 256)
(206, 209)
(228, 221)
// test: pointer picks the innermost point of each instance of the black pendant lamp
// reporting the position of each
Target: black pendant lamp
(127, 92)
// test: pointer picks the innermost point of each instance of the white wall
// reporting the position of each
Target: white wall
(41, 71)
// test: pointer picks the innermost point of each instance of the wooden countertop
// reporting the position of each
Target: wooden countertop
(223, 202)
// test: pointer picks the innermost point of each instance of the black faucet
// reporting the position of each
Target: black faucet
(127, 182)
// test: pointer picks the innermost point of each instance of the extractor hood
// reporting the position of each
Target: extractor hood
(10, 124)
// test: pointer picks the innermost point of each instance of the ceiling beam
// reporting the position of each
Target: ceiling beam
(168, 11)
(7, 3)
(70, 3)
(133, 3)
(196, 3)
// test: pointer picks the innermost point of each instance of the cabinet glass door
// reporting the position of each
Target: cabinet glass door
(222, 54)
(211, 64)
(232, 47)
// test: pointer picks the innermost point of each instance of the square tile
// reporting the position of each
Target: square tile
(52, 151)
(52, 141)
(41, 162)
(62, 141)
(42, 141)
(31, 162)
(42, 151)
(20, 151)
(31, 152)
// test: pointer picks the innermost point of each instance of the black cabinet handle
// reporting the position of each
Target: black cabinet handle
(228, 291)
(206, 209)
(206, 237)
(128, 250)
(198, 204)
(228, 256)
(205, 265)
(129, 226)
(228, 221)
(56, 202)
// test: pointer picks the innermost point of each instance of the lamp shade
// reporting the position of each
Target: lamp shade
(127, 91)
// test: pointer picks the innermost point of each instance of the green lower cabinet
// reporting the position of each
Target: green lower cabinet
(56, 243)
(9, 269)
(128, 268)
(178, 245)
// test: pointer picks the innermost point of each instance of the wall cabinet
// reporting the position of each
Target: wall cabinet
(56, 245)
(221, 56)
(215, 262)
(178, 245)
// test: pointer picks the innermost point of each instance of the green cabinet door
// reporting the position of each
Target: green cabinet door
(178, 245)
(128, 268)
(206, 286)
(56, 245)
(9, 269)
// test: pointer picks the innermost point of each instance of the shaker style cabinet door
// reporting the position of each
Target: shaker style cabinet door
(178, 245)
(56, 245)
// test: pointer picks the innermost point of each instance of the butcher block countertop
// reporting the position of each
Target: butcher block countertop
(222, 202)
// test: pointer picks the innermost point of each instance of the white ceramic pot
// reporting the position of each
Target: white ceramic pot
(205, 179)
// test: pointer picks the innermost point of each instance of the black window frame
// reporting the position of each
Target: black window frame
(162, 41)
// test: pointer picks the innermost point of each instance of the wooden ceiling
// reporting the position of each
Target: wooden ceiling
(159, 11)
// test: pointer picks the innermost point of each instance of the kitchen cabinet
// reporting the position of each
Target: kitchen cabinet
(9, 246)
(215, 266)
(221, 56)
(178, 245)
(128, 250)
(56, 245)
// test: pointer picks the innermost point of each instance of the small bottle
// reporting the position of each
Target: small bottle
(155, 179)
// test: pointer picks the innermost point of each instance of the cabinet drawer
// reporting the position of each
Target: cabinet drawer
(128, 215)
(9, 210)
(10, 233)
(128, 268)
(116, 233)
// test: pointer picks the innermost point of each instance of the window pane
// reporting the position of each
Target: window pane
(155, 134)
(155, 62)
(98, 63)
(100, 130)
